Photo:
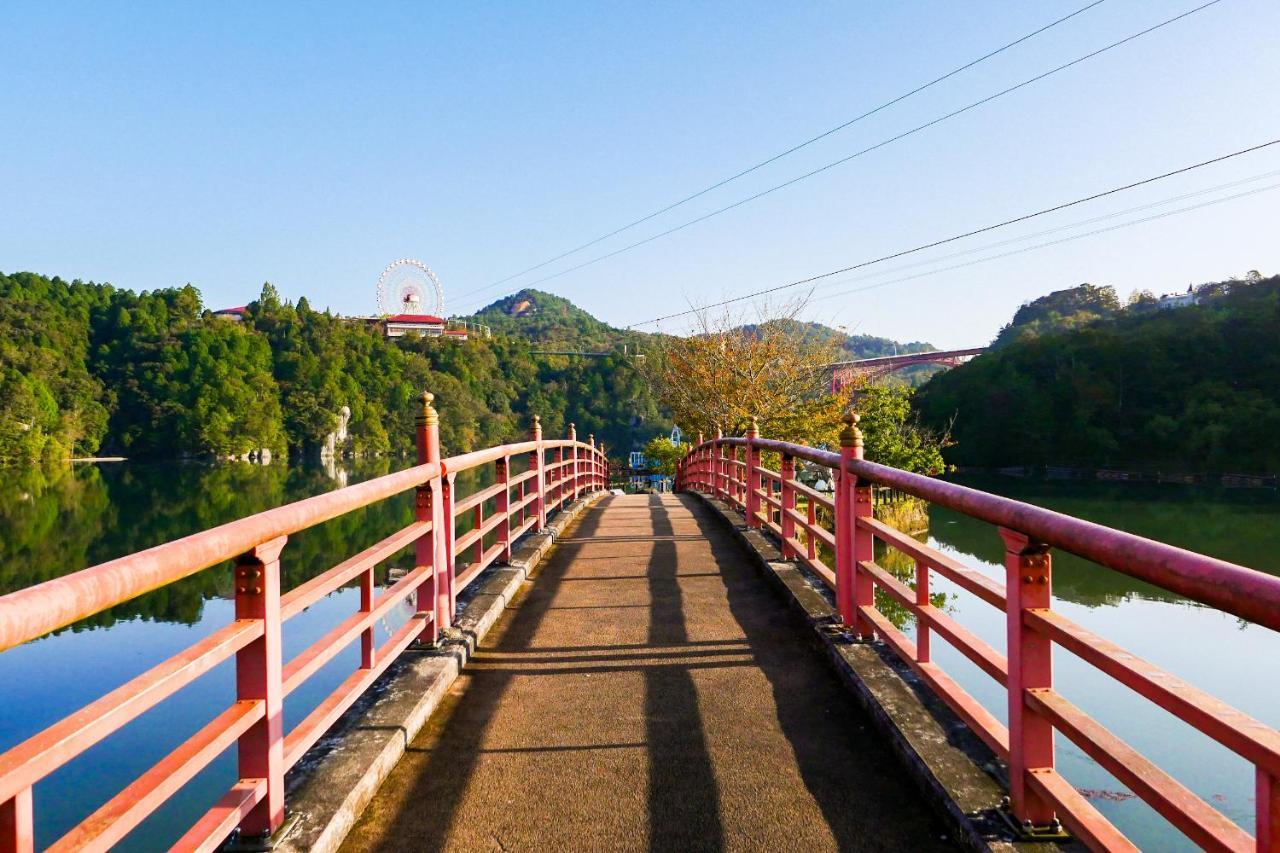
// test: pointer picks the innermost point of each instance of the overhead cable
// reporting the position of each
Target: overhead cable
(971, 233)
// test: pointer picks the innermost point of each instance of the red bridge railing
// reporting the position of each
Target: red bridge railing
(558, 472)
(730, 469)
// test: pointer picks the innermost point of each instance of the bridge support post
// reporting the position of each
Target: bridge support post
(788, 473)
(862, 543)
(1028, 586)
(753, 475)
(17, 824)
(425, 508)
(573, 468)
(854, 588)
(259, 677)
(844, 522)
(538, 463)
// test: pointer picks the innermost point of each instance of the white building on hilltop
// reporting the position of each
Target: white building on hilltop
(1178, 300)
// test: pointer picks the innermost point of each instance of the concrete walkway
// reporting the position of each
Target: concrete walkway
(649, 692)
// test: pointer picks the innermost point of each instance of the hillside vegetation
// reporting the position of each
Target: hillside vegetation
(553, 322)
(89, 368)
(1077, 379)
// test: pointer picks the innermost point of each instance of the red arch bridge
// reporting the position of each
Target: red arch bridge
(642, 682)
(845, 373)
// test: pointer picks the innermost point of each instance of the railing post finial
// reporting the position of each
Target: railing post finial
(428, 414)
(753, 431)
(573, 432)
(538, 464)
(719, 432)
(851, 436)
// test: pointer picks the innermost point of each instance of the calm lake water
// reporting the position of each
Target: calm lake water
(50, 527)
(1234, 661)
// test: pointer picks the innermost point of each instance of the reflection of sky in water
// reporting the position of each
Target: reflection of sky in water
(1217, 653)
(49, 528)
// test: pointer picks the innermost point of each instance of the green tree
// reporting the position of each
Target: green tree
(663, 454)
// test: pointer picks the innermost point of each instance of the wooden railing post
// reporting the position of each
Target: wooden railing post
(700, 466)
(811, 541)
(843, 482)
(538, 463)
(502, 505)
(593, 478)
(788, 499)
(717, 466)
(1028, 576)
(557, 477)
(368, 645)
(922, 600)
(259, 678)
(573, 468)
(1267, 797)
(446, 598)
(864, 543)
(17, 824)
(427, 424)
(753, 475)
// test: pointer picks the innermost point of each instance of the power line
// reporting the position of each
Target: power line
(1037, 234)
(883, 143)
(1059, 241)
(793, 149)
(1023, 218)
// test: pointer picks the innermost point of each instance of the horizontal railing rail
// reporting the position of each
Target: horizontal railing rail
(813, 527)
(253, 723)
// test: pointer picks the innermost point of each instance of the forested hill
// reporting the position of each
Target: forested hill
(861, 346)
(89, 368)
(1083, 381)
(553, 322)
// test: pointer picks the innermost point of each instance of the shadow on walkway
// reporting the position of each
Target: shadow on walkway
(705, 723)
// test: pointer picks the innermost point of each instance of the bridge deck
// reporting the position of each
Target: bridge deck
(649, 692)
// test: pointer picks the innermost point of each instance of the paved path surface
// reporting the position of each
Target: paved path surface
(649, 692)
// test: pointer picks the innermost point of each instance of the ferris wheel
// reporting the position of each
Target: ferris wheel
(404, 286)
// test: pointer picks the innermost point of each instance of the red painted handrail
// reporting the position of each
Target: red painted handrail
(1040, 795)
(255, 804)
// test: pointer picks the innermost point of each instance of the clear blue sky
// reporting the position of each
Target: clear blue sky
(309, 144)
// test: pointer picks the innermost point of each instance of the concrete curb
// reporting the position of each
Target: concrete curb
(331, 785)
(958, 773)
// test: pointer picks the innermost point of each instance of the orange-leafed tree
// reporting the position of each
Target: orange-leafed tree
(728, 371)
(775, 369)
